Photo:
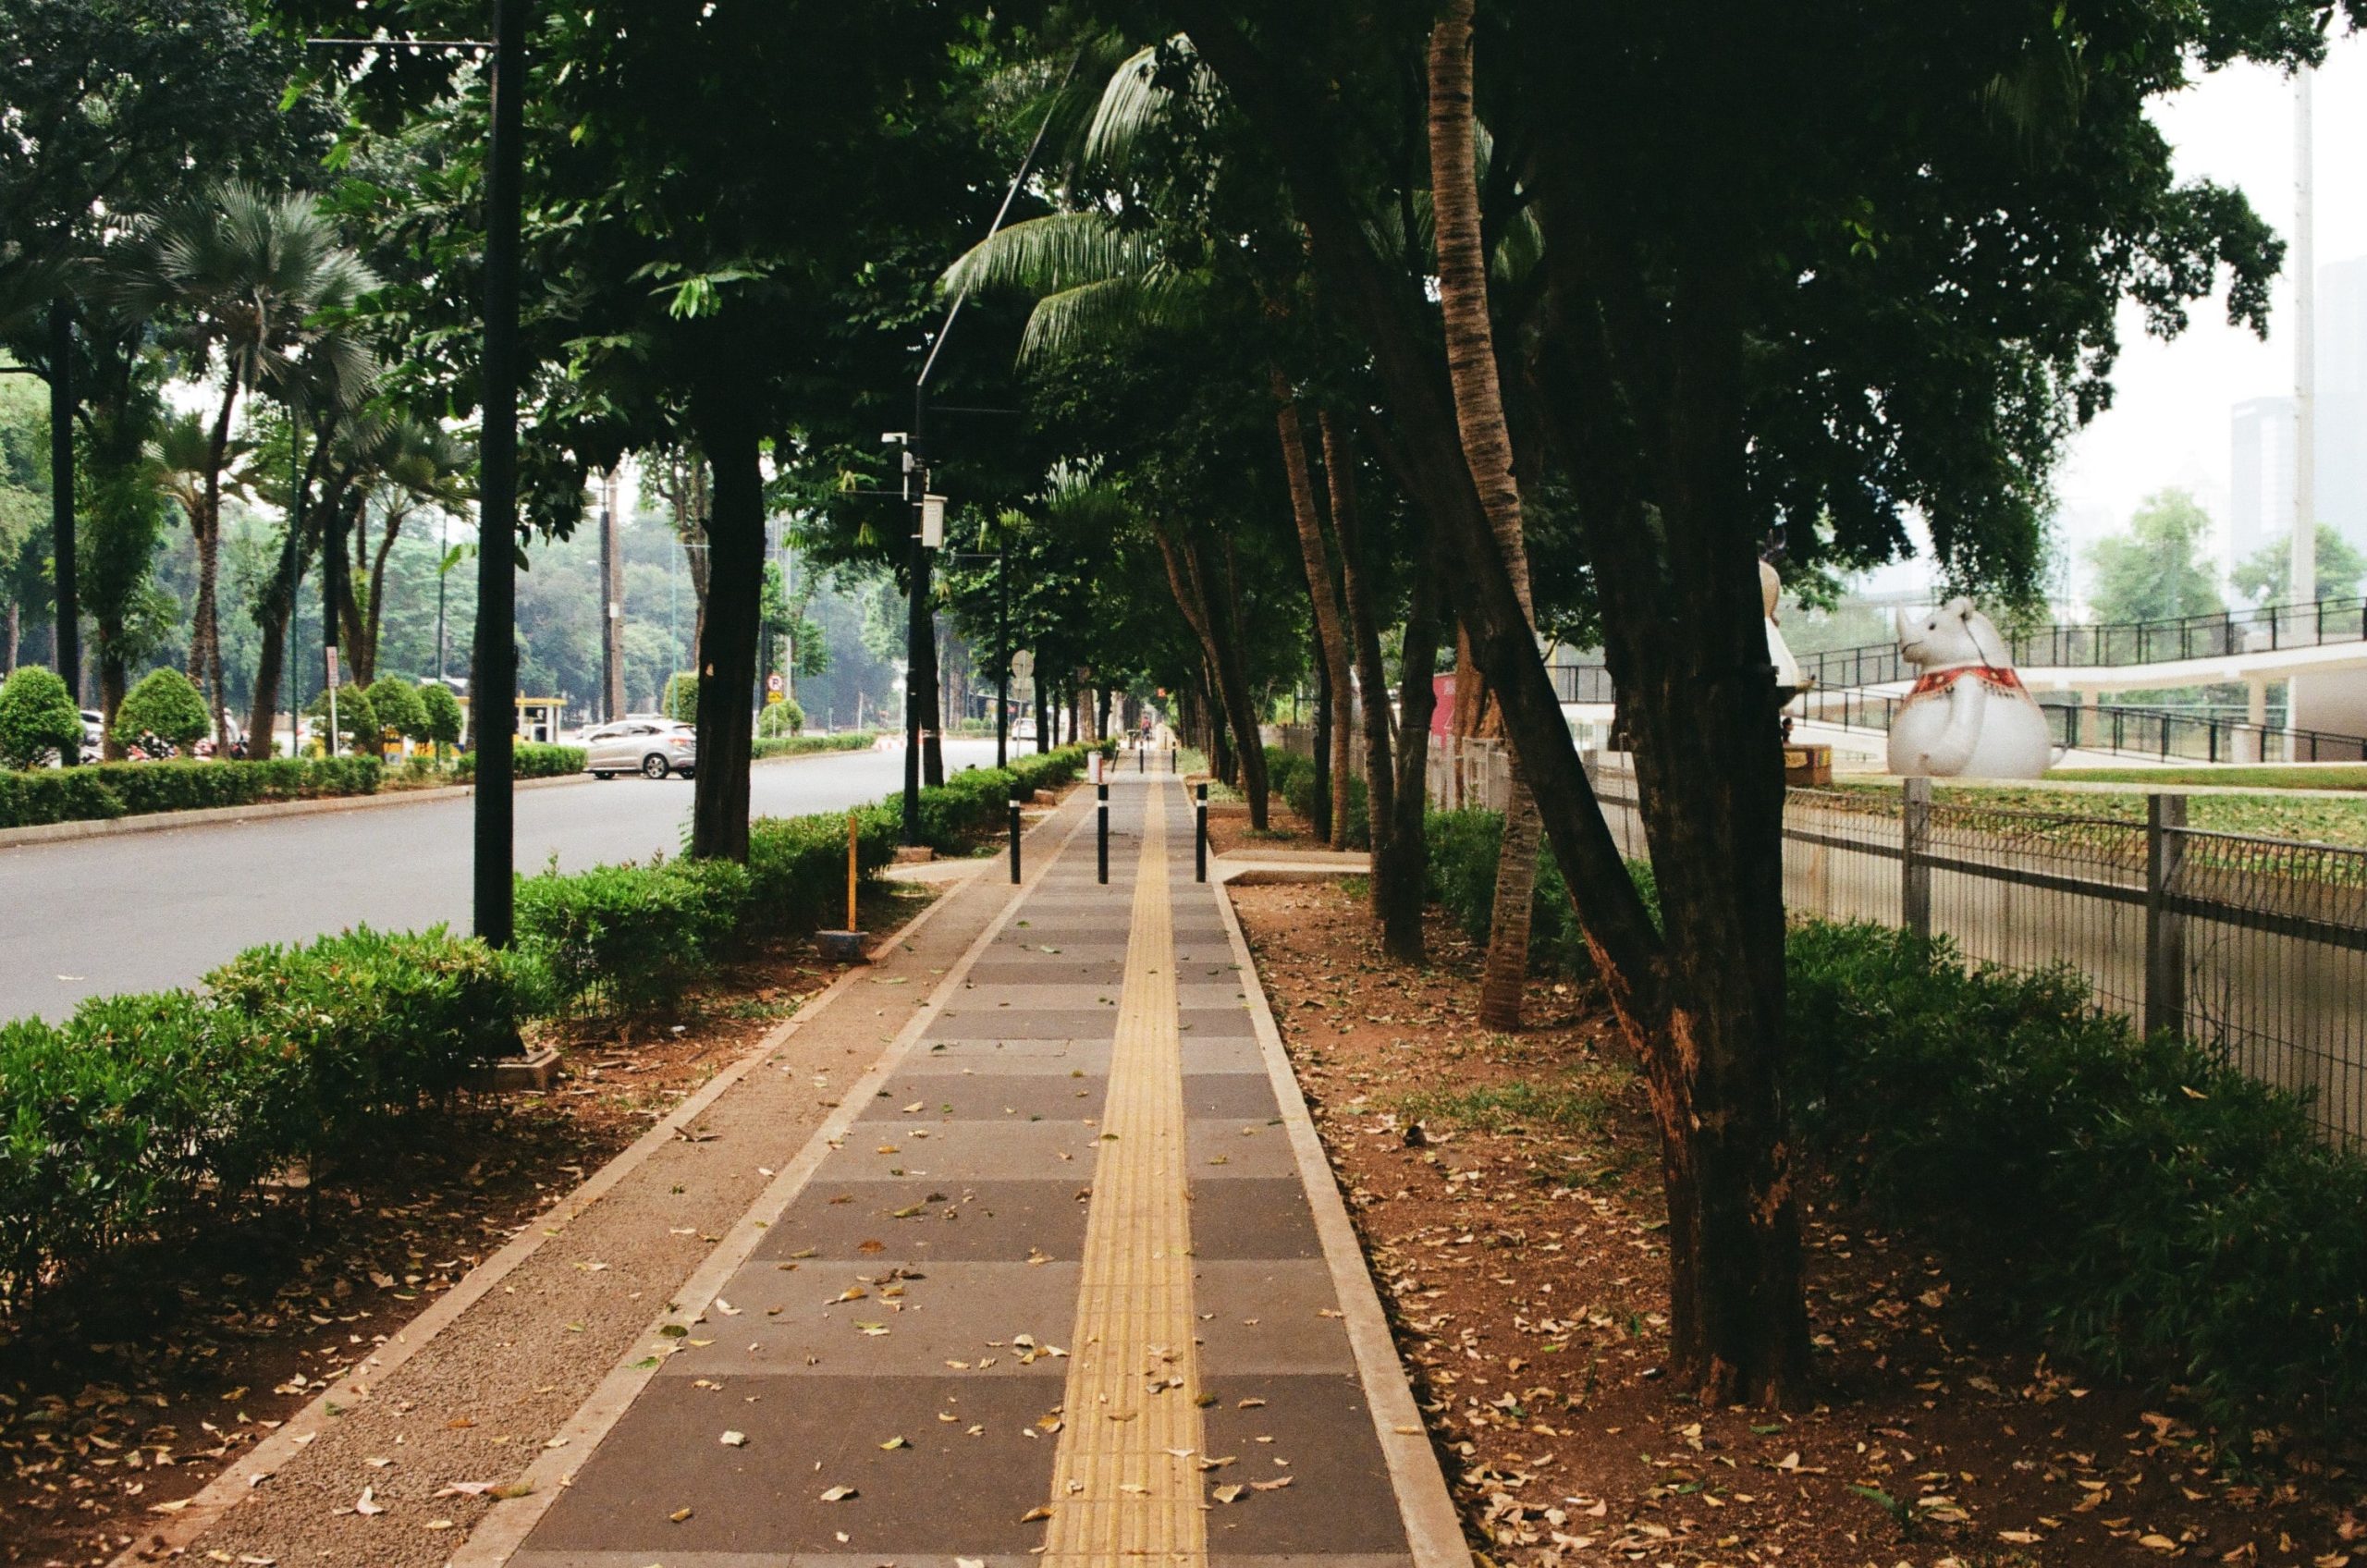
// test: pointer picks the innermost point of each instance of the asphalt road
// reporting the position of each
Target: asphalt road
(148, 911)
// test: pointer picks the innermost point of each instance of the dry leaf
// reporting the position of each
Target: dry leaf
(839, 1494)
(735, 1440)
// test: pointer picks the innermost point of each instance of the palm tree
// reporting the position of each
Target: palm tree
(1487, 450)
(246, 275)
(406, 464)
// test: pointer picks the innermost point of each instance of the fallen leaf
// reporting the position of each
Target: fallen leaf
(735, 1440)
(839, 1494)
(366, 1505)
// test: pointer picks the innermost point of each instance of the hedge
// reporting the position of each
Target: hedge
(529, 759)
(2160, 1216)
(142, 1114)
(1291, 775)
(802, 745)
(135, 788)
(975, 803)
(2165, 1217)
(143, 1117)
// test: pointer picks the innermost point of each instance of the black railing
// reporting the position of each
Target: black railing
(1582, 683)
(2223, 635)
(2154, 733)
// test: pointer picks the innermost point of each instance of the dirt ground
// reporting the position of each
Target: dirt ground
(1508, 1196)
(130, 1389)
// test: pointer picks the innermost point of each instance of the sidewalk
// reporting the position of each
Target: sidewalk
(1064, 1278)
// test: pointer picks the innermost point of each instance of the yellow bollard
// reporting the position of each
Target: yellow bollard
(852, 833)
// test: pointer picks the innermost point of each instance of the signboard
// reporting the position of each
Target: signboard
(774, 684)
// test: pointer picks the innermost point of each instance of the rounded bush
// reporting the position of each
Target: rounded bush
(441, 713)
(37, 717)
(398, 707)
(357, 721)
(164, 705)
(783, 718)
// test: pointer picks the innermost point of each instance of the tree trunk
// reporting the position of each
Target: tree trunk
(1401, 846)
(1330, 635)
(1363, 637)
(1486, 447)
(111, 684)
(727, 637)
(204, 637)
(1044, 720)
(365, 651)
(1320, 807)
(1710, 1033)
(1187, 577)
(15, 633)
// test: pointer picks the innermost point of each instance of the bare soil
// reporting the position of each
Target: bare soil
(1507, 1193)
(128, 1390)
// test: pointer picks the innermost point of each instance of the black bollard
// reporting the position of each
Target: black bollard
(1015, 844)
(1200, 836)
(1102, 806)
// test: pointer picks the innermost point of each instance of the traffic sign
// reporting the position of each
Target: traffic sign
(774, 684)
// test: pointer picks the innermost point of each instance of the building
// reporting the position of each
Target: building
(2259, 509)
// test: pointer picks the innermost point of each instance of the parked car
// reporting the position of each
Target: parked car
(651, 747)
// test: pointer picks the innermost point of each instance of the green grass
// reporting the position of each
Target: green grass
(1503, 1107)
(2324, 775)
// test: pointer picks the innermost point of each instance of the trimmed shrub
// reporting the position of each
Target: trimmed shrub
(137, 788)
(802, 745)
(2162, 1214)
(37, 717)
(72, 794)
(627, 939)
(396, 705)
(797, 868)
(357, 721)
(681, 701)
(531, 759)
(1291, 776)
(165, 705)
(142, 1113)
(781, 719)
(442, 713)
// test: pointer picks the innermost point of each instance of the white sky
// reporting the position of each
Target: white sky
(2168, 425)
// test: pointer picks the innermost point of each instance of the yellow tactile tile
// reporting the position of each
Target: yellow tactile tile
(1126, 1480)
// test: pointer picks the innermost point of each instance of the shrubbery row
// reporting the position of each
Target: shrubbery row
(135, 788)
(146, 1115)
(2161, 1216)
(764, 746)
(529, 759)
(1291, 775)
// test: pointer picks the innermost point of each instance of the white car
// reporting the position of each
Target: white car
(651, 747)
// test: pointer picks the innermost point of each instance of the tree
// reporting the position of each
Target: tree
(357, 722)
(396, 703)
(37, 717)
(165, 707)
(784, 718)
(1727, 332)
(2265, 577)
(441, 712)
(245, 273)
(2157, 571)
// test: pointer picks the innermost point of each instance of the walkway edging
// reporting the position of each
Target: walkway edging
(1433, 1525)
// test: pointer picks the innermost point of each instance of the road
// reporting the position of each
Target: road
(149, 911)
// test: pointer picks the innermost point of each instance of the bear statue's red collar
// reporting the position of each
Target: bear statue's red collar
(1996, 677)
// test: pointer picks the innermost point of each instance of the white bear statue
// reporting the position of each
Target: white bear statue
(1968, 717)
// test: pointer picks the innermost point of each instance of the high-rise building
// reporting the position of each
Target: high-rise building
(2259, 509)
(2260, 476)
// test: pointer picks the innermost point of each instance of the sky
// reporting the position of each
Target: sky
(2168, 425)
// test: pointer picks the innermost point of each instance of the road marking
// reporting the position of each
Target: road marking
(1126, 1480)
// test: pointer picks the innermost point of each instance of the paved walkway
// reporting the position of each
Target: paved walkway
(1065, 1280)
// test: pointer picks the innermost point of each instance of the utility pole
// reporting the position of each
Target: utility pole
(67, 628)
(495, 695)
(2304, 588)
(612, 608)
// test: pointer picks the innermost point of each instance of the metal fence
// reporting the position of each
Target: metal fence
(2219, 635)
(2156, 734)
(2254, 947)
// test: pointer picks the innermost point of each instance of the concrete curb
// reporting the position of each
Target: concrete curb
(206, 817)
(506, 1527)
(1433, 1527)
(205, 1508)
